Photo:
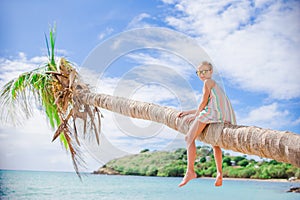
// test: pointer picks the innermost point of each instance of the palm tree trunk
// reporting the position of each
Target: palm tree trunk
(279, 145)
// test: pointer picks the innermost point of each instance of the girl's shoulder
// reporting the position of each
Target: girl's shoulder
(210, 83)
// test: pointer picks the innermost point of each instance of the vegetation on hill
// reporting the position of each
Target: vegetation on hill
(174, 163)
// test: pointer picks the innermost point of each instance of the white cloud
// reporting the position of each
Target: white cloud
(267, 116)
(12, 68)
(105, 33)
(170, 72)
(261, 3)
(252, 44)
(296, 122)
(211, 19)
(139, 21)
(174, 62)
(29, 147)
(165, 76)
(169, 1)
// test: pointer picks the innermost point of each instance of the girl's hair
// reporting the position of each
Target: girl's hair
(207, 64)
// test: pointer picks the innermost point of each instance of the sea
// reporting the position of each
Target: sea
(66, 185)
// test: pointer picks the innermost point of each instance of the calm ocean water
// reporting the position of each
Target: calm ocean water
(60, 185)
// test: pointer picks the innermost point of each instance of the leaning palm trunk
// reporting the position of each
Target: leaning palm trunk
(279, 145)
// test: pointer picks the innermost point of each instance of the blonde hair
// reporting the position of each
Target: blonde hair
(207, 64)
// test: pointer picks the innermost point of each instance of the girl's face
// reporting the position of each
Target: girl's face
(204, 72)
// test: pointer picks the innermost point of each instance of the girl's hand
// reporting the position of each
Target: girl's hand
(182, 114)
(191, 118)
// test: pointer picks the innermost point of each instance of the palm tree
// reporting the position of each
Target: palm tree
(65, 98)
(54, 86)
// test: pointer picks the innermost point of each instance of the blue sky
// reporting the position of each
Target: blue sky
(253, 45)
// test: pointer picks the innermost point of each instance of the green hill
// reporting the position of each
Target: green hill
(173, 163)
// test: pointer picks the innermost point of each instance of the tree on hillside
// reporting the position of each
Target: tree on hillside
(66, 100)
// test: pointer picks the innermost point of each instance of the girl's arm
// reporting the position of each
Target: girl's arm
(183, 113)
(208, 84)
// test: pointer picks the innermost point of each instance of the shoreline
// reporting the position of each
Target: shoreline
(212, 178)
(109, 172)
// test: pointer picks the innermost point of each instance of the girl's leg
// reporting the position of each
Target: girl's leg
(190, 172)
(218, 159)
(195, 130)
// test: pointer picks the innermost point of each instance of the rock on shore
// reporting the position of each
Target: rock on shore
(294, 189)
(106, 170)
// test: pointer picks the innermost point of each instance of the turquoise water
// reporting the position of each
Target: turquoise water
(60, 185)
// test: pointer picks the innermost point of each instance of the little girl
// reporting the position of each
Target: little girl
(214, 107)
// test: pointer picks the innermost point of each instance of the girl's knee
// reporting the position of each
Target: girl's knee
(216, 148)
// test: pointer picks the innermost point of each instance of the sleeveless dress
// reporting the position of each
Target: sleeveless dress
(218, 108)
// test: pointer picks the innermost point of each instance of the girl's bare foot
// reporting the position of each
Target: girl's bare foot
(219, 180)
(188, 176)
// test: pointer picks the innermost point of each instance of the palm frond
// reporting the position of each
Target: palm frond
(47, 45)
(51, 48)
